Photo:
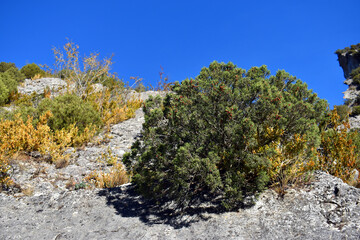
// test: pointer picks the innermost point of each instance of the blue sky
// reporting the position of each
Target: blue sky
(184, 36)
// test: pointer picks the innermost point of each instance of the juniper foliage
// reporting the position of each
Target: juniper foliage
(201, 140)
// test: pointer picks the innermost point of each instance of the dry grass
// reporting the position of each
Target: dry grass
(116, 177)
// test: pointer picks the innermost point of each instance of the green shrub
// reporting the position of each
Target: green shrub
(355, 111)
(353, 49)
(15, 74)
(30, 70)
(356, 140)
(5, 66)
(4, 92)
(8, 86)
(355, 75)
(210, 136)
(70, 109)
(343, 112)
(10, 83)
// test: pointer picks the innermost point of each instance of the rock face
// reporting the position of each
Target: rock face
(348, 62)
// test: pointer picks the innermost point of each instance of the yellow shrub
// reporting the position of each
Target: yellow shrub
(37, 76)
(337, 155)
(113, 109)
(18, 135)
(288, 160)
(4, 172)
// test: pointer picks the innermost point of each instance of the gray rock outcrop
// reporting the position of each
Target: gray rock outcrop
(55, 85)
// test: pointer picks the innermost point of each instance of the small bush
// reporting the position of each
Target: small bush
(9, 81)
(30, 70)
(343, 112)
(116, 177)
(15, 74)
(70, 109)
(355, 75)
(8, 85)
(4, 93)
(355, 111)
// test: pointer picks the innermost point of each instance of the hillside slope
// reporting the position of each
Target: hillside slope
(325, 209)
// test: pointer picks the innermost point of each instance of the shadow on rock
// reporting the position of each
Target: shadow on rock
(128, 203)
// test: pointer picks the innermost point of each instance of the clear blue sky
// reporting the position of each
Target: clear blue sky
(183, 36)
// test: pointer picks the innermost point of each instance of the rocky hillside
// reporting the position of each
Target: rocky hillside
(48, 204)
(349, 61)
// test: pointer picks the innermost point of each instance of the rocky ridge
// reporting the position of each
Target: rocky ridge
(327, 208)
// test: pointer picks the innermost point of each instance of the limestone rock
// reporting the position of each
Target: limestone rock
(39, 85)
(325, 209)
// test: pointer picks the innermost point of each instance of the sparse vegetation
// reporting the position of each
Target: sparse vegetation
(51, 125)
(353, 49)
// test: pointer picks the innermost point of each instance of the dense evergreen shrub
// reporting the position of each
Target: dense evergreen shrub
(213, 135)
(9, 82)
(15, 74)
(4, 92)
(70, 109)
(30, 70)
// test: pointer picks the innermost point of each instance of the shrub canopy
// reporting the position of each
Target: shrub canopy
(70, 109)
(30, 70)
(207, 137)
